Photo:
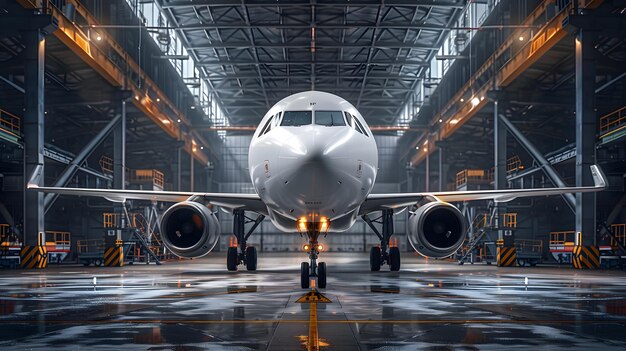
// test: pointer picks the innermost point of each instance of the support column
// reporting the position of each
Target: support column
(499, 176)
(441, 174)
(179, 169)
(191, 172)
(585, 135)
(427, 178)
(33, 253)
(119, 151)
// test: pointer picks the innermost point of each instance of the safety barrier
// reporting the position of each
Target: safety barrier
(613, 120)
(586, 257)
(9, 122)
(506, 257)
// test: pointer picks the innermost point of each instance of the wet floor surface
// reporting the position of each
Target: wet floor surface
(196, 305)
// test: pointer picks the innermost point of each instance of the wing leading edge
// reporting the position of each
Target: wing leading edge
(231, 201)
(376, 202)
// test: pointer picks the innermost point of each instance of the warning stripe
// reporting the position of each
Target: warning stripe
(506, 256)
(586, 257)
(33, 257)
(114, 256)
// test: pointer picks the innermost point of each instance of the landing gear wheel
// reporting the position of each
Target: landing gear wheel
(232, 259)
(97, 262)
(394, 259)
(251, 258)
(304, 275)
(321, 275)
(375, 259)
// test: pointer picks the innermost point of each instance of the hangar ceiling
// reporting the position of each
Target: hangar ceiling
(255, 52)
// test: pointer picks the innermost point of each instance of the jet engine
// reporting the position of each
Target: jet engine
(437, 229)
(189, 229)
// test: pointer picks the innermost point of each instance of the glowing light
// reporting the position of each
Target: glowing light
(158, 99)
(165, 121)
(302, 225)
(454, 121)
(425, 142)
(440, 120)
(136, 97)
(193, 107)
(306, 247)
(425, 150)
(323, 225)
(417, 147)
(462, 100)
(482, 98)
(521, 38)
(475, 101)
(201, 147)
(178, 120)
(320, 247)
(98, 37)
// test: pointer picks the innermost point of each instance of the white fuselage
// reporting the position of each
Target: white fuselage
(310, 159)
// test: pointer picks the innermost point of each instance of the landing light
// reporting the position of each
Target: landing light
(320, 247)
(306, 248)
(302, 225)
(323, 225)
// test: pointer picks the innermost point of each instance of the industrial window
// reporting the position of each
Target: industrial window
(296, 118)
(329, 118)
(267, 126)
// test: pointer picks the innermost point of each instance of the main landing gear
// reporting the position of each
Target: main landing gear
(242, 254)
(312, 268)
(383, 254)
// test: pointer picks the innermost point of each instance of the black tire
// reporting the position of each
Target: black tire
(304, 275)
(394, 259)
(232, 261)
(321, 275)
(251, 258)
(375, 259)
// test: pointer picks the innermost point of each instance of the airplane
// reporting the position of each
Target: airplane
(313, 162)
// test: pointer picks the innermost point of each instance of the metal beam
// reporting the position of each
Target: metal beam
(585, 134)
(570, 200)
(34, 71)
(71, 169)
(119, 151)
(302, 3)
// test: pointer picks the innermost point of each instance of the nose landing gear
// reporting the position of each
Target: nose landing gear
(312, 268)
(242, 253)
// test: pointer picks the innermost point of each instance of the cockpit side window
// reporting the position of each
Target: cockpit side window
(296, 118)
(329, 118)
(355, 124)
(267, 126)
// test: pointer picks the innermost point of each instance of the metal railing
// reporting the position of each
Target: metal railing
(514, 164)
(619, 230)
(146, 176)
(471, 176)
(106, 164)
(613, 120)
(567, 238)
(509, 220)
(59, 240)
(10, 122)
(529, 246)
(90, 246)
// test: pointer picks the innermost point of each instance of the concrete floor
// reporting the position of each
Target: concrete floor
(198, 305)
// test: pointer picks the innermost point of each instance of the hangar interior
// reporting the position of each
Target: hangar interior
(459, 95)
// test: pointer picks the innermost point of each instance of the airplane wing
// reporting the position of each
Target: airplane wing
(377, 202)
(251, 202)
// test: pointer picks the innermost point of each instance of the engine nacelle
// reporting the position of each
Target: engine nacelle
(437, 229)
(189, 229)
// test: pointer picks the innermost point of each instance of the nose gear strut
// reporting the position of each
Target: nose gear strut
(312, 268)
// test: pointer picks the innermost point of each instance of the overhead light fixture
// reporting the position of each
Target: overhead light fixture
(440, 120)
(201, 147)
(193, 107)
(454, 121)
(475, 101)
(521, 38)
(178, 120)
(417, 147)
(98, 37)
(462, 100)
(158, 99)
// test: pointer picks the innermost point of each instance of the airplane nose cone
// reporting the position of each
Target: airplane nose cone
(314, 144)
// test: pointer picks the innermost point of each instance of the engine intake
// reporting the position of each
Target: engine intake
(437, 229)
(189, 229)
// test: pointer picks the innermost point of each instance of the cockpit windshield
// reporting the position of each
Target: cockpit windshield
(329, 118)
(296, 118)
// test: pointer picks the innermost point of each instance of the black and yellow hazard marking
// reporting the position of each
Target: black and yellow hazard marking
(313, 297)
(507, 256)
(33, 257)
(114, 256)
(586, 257)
